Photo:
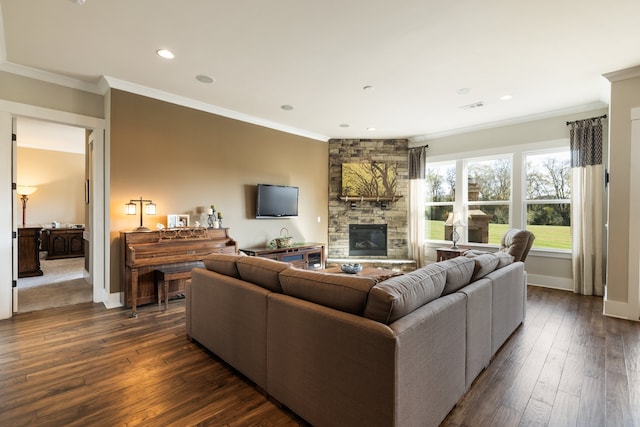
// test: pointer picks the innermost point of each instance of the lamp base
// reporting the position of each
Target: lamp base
(141, 228)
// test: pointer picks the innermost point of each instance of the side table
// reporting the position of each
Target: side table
(448, 253)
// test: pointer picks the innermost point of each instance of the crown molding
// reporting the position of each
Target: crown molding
(115, 83)
(49, 77)
(624, 74)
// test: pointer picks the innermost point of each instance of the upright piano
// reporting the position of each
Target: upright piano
(143, 252)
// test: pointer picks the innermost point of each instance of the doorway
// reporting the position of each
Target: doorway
(51, 163)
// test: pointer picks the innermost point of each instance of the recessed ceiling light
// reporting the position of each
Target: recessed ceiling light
(463, 91)
(80, 2)
(204, 79)
(505, 97)
(287, 107)
(371, 129)
(165, 53)
(344, 125)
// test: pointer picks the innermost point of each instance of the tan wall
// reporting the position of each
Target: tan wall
(625, 95)
(59, 178)
(185, 160)
(36, 92)
(513, 135)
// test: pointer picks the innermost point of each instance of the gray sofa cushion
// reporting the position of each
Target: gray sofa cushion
(261, 271)
(484, 264)
(400, 295)
(223, 264)
(459, 271)
(504, 259)
(343, 292)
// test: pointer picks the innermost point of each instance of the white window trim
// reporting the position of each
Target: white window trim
(517, 210)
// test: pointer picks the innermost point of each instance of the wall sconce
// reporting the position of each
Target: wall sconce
(24, 192)
(454, 220)
(131, 207)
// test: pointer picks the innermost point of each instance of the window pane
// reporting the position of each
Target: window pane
(490, 179)
(435, 218)
(440, 180)
(487, 223)
(548, 176)
(551, 224)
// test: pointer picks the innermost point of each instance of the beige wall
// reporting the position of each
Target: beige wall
(544, 269)
(625, 94)
(59, 178)
(42, 94)
(185, 160)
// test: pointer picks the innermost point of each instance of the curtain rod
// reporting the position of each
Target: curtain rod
(592, 118)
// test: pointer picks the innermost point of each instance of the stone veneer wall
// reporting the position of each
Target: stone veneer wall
(340, 212)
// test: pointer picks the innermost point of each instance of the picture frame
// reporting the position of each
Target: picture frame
(177, 220)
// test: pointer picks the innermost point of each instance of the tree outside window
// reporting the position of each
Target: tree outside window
(548, 198)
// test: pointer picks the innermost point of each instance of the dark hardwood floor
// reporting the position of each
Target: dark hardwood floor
(85, 365)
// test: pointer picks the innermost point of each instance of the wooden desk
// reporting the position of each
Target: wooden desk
(29, 251)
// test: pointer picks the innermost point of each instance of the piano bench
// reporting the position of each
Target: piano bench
(164, 275)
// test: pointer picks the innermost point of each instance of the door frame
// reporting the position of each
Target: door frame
(98, 235)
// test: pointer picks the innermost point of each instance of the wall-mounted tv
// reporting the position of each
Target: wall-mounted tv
(276, 201)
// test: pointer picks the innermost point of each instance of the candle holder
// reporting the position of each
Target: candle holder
(210, 221)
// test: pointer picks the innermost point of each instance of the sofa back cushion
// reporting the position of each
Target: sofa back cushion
(400, 295)
(459, 272)
(261, 271)
(223, 264)
(504, 259)
(484, 264)
(343, 292)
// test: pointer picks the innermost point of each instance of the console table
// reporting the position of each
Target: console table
(309, 256)
(64, 242)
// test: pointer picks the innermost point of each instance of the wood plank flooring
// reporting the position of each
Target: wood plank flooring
(84, 365)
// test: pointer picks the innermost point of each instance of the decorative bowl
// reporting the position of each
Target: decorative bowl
(351, 268)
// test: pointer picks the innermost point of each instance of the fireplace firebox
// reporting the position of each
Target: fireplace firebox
(368, 240)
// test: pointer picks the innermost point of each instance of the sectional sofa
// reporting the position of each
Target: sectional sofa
(345, 350)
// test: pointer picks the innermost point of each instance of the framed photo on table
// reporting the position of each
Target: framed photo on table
(177, 220)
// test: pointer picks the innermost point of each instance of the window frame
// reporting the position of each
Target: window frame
(518, 201)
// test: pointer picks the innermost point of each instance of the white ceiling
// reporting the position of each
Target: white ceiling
(318, 56)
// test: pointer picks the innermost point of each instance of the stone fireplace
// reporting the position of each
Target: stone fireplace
(368, 240)
(392, 215)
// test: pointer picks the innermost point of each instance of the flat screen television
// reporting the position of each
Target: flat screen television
(276, 201)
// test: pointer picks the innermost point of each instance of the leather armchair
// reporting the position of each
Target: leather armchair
(517, 243)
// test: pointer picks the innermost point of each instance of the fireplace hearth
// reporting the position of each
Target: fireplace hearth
(368, 240)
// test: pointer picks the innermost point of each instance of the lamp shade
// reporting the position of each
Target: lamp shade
(454, 218)
(130, 208)
(151, 208)
(25, 190)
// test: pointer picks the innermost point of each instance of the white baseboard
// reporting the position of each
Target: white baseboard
(113, 300)
(550, 282)
(621, 310)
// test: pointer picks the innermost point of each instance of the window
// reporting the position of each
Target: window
(440, 194)
(520, 189)
(488, 199)
(548, 198)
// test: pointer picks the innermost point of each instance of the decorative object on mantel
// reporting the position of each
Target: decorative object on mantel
(369, 182)
(150, 209)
